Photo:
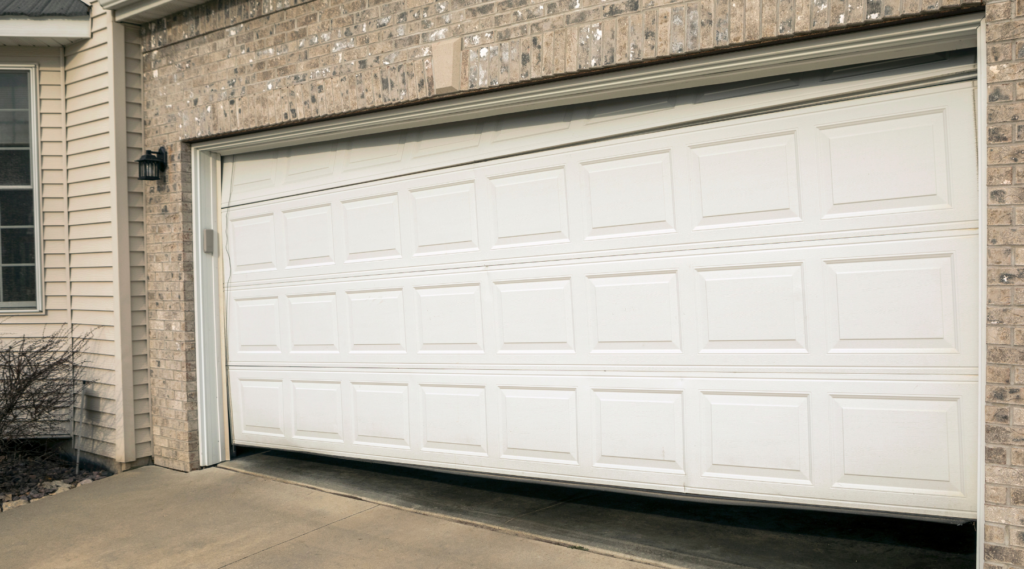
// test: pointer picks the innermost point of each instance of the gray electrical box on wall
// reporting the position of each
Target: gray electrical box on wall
(209, 241)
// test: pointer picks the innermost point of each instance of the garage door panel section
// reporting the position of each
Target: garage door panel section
(450, 319)
(539, 424)
(376, 321)
(313, 323)
(864, 305)
(908, 154)
(626, 196)
(530, 208)
(262, 409)
(923, 451)
(804, 174)
(766, 190)
(756, 436)
(882, 443)
(252, 243)
(455, 419)
(381, 413)
(309, 236)
(637, 429)
(444, 219)
(752, 309)
(535, 316)
(896, 305)
(316, 409)
(258, 325)
(635, 313)
(372, 228)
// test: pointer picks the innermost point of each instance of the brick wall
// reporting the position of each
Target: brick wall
(1004, 416)
(231, 66)
(171, 312)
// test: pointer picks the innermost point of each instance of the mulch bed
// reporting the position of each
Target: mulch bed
(30, 474)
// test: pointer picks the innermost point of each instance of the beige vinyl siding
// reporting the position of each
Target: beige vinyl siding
(137, 242)
(101, 75)
(89, 226)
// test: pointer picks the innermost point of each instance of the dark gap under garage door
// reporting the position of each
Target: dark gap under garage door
(673, 532)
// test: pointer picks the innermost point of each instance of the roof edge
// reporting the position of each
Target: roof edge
(45, 8)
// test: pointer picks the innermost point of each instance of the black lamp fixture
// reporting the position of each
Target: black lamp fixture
(152, 163)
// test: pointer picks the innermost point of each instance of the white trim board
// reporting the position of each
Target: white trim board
(142, 11)
(983, 282)
(60, 30)
(210, 373)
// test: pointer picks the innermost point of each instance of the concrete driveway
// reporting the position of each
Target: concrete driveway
(154, 517)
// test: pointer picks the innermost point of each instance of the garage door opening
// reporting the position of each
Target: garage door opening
(765, 290)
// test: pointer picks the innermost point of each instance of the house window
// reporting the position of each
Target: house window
(18, 254)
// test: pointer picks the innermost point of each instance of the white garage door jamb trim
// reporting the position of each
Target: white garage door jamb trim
(903, 41)
(982, 136)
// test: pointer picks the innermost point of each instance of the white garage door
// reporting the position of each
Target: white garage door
(779, 307)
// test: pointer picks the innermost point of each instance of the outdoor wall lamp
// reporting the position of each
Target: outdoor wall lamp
(152, 163)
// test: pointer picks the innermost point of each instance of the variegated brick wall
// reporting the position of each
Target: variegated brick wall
(1004, 429)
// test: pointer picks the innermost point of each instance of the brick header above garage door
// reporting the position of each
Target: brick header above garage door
(232, 65)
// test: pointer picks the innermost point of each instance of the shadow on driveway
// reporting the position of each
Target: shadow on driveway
(667, 531)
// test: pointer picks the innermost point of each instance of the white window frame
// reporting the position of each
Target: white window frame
(34, 149)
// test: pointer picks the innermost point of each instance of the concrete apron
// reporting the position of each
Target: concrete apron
(650, 531)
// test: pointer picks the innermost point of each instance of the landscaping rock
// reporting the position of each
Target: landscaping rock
(28, 475)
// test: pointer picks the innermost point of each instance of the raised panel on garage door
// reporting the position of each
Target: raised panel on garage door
(777, 307)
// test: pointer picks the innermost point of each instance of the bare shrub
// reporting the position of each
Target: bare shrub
(39, 379)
